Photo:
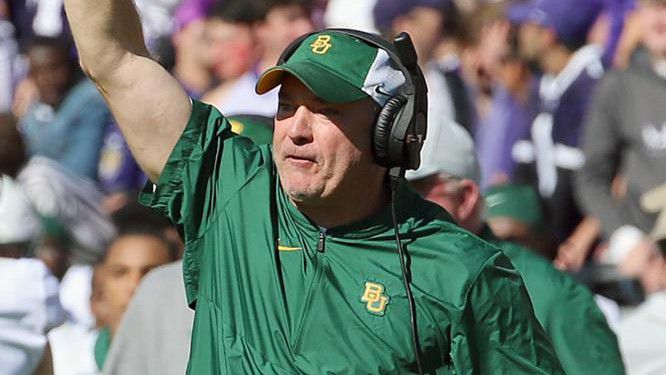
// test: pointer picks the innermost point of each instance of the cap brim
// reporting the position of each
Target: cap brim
(326, 85)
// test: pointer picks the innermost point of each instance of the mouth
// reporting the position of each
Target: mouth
(300, 161)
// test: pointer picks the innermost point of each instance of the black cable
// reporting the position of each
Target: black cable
(406, 280)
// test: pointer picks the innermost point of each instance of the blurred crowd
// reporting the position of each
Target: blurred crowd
(547, 123)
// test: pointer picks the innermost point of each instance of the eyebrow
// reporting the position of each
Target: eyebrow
(311, 98)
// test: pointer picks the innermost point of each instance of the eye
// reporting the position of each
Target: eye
(285, 108)
(329, 111)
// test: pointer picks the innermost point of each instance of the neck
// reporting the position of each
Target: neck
(555, 60)
(348, 205)
(192, 75)
(474, 223)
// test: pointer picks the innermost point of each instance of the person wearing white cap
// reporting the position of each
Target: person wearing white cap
(578, 330)
(29, 304)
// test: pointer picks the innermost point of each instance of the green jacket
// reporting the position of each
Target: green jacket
(567, 311)
(275, 294)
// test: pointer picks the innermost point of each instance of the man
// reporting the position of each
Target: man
(278, 23)
(156, 330)
(29, 304)
(552, 37)
(56, 193)
(425, 21)
(129, 258)
(290, 256)
(626, 135)
(68, 121)
(73, 343)
(514, 213)
(641, 334)
(232, 47)
(576, 327)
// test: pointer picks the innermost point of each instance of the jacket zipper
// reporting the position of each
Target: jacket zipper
(316, 278)
(321, 245)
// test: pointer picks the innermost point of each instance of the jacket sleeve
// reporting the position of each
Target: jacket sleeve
(498, 332)
(602, 146)
(206, 167)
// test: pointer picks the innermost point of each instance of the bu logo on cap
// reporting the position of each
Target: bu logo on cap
(374, 298)
(321, 45)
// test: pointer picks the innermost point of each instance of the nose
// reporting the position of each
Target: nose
(300, 127)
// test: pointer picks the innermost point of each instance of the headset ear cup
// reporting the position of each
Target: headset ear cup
(383, 128)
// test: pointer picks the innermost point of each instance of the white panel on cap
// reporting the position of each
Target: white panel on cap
(449, 149)
(384, 77)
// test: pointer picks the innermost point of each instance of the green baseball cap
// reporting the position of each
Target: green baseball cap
(518, 202)
(338, 68)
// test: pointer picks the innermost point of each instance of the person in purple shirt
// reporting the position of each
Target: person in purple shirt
(552, 35)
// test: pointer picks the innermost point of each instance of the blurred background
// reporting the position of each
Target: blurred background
(564, 100)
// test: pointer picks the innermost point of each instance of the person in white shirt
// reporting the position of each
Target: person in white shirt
(29, 304)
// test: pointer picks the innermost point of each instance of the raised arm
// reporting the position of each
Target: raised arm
(149, 105)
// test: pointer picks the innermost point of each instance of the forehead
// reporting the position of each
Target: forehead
(293, 89)
(136, 249)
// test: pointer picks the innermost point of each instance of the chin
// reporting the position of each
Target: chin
(302, 193)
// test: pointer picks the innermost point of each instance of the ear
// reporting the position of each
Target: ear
(470, 196)
(549, 37)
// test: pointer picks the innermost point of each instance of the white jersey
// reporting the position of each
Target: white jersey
(29, 308)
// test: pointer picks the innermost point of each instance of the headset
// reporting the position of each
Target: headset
(400, 128)
(398, 135)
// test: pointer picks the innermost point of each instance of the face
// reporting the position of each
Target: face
(322, 150)
(531, 41)
(52, 73)
(129, 258)
(191, 44)
(653, 19)
(283, 24)
(424, 25)
(231, 47)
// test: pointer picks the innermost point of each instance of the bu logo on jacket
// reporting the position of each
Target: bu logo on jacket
(374, 298)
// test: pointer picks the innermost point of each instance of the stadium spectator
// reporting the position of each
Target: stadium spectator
(553, 35)
(73, 343)
(501, 84)
(232, 45)
(625, 134)
(642, 333)
(128, 259)
(424, 21)
(29, 305)
(55, 193)
(67, 122)
(155, 333)
(563, 307)
(193, 65)
(8, 60)
(278, 23)
(514, 213)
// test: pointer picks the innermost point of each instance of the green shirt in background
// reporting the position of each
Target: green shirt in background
(102, 345)
(275, 294)
(567, 311)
